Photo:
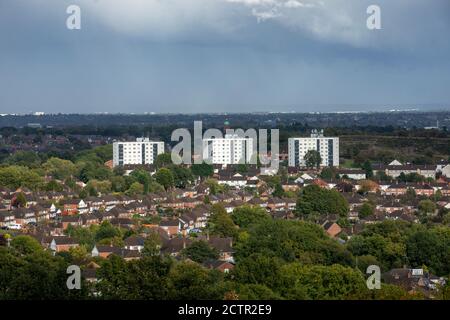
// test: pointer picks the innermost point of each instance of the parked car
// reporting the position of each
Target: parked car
(15, 226)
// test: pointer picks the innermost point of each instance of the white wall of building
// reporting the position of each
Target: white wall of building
(328, 147)
(141, 151)
(228, 150)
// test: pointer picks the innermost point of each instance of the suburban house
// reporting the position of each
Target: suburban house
(172, 227)
(74, 221)
(236, 180)
(224, 246)
(414, 280)
(62, 243)
(354, 174)
(24, 216)
(134, 243)
(332, 228)
(7, 218)
(106, 251)
(222, 266)
(73, 206)
(395, 168)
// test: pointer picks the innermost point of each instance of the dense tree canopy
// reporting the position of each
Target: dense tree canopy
(245, 216)
(165, 178)
(59, 169)
(323, 201)
(17, 176)
(292, 241)
(202, 170)
(312, 159)
(200, 251)
(220, 222)
(27, 272)
(430, 248)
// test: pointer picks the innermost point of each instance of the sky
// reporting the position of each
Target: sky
(187, 56)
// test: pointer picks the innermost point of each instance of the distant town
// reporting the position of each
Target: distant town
(351, 191)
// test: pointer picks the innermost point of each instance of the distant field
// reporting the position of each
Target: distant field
(385, 148)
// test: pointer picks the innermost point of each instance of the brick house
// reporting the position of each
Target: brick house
(62, 243)
(222, 266)
(332, 228)
(172, 227)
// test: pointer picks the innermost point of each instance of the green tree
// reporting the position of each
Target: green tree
(152, 244)
(144, 178)
(14, 177)
(200, 252)
(334, 282)
(214, 187)
(292, 241)
(202, 170)
(19, 201)
(155, 187)
(135, 189)
(104, 187)
(258, 269)
(28, 159)
(91, 191)
(118, 184)
(315, 199)
(84, 236)
(143, 279)
(163, 160)
(242, 168)
(106, 231)
(220, 222)
(27, 273)
(165, 178)
(245, 216)
(390, 254)
(91, 169)
(365, 210)
(278, 191)
(192, 281)
(79, 254)
(427, 206)
(327, 173)
(52, 185)
(367, 167)
(26, 244)
(256, 292)
(365, 261)
(430, 248)
(182, 176)
(59, 169)
(312, 159)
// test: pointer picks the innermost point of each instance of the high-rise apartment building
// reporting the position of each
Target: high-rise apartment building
(231, 149)
(141, 151)
(328, 148)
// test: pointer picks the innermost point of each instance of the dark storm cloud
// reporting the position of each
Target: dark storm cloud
(222, 55)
